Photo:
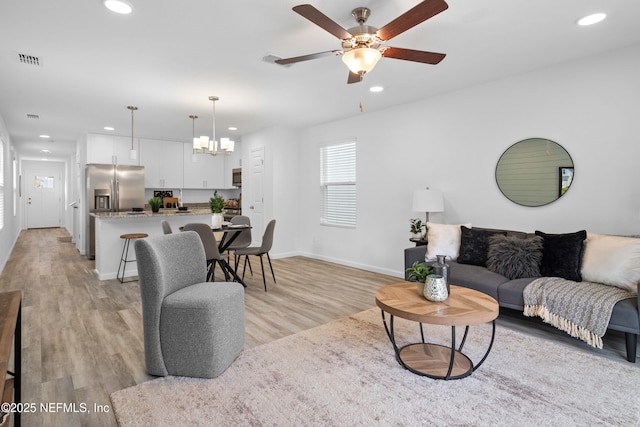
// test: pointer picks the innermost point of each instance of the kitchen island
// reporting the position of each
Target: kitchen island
(111, 225)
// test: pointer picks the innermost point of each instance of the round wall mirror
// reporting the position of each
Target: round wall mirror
(534, 172)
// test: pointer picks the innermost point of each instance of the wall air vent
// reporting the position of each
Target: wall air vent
(29, 59)
(271, 59)
(33, 116)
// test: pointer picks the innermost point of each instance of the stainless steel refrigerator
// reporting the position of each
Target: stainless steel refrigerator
(111, 188)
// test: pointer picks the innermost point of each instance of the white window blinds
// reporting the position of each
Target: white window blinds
(338, 185)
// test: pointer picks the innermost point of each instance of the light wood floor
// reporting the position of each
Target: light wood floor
(82, 338)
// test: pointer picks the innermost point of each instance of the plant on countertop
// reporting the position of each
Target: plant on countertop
(216, 203)
(416, 226)
(418, 272)
(155, 203)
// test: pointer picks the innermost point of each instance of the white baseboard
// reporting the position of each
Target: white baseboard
(375, 269)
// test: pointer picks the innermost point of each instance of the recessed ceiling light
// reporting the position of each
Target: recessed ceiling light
(118, 6)
(46, 151)
(233, 128)
(376, 89)
(109, 128)
(592, 19)
(44, 136)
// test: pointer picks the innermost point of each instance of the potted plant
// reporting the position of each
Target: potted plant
(418, 272)
(155, 203)
(216, 203)
(416, 228)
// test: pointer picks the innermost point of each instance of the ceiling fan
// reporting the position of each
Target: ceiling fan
(362, 45)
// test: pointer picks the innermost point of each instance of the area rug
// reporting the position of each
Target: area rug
(344, 374)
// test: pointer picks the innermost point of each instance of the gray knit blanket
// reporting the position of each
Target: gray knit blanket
(581, 309)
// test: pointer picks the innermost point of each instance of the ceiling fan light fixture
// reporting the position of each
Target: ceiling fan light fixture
(361, 60)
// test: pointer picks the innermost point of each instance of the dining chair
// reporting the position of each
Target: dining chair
(263, 249)
(243, 240)
(212, 253)
(166, 227)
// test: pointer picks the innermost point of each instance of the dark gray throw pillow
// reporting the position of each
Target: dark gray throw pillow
(514, 257)
(474, 245)
(562, 254)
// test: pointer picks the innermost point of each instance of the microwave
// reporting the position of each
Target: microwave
(236, 176)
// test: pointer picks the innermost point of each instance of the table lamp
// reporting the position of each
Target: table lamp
(428, 201)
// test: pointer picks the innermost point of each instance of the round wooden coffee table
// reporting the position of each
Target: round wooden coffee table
(464, 307)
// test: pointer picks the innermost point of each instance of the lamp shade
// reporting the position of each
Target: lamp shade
(227, 145)
(428, 201)
(361, 60)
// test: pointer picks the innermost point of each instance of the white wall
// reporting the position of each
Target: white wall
(452, 143)
(11, 229)
(281, 186)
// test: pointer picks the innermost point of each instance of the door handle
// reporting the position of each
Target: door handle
(251, 207)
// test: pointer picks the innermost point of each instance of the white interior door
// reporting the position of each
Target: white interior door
(256, 205)
(43, 189)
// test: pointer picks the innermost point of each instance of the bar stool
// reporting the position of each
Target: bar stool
(125, 253)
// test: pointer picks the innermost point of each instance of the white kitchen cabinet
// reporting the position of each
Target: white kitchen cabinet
(100, 148)
(163, 163)
(122, 148)
(110, 149)
(206, 172)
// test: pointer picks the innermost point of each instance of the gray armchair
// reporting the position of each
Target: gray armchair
(191, 327)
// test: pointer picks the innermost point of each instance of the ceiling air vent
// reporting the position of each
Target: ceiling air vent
(29, 59)
(33, 116)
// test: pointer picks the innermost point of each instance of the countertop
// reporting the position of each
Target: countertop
(147, 214)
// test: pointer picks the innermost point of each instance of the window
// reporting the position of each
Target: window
(1, 184)
(44, 182)
(338, 185)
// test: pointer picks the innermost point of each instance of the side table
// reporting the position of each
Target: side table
(419, 242)
(464, 307)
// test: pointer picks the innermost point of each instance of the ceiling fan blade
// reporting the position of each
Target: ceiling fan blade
(412, 17)
(293, 60)
(354, 78)
(322, 20)
(413, 55)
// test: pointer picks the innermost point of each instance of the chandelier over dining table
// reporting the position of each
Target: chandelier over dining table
(204, 145)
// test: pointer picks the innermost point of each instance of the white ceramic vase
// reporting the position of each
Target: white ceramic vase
(216, 220)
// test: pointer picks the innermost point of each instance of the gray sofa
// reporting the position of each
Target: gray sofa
(509, 293)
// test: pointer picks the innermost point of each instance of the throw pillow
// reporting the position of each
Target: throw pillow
(612, 260)
(474, 244)
(562, 254)
(443, 239)
(515, 257)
